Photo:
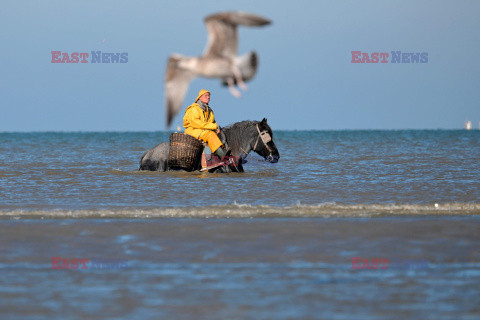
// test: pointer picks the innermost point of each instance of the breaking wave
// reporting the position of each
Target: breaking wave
(237, 210)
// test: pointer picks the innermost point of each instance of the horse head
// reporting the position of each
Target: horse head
(264, 145)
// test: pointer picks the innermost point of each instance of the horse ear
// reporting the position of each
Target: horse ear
(264, 121)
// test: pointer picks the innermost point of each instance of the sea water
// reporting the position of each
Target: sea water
(84, 234)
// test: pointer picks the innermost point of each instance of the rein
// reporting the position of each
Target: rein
(266, 138)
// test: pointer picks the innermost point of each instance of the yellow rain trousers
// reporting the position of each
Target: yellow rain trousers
(212, 139)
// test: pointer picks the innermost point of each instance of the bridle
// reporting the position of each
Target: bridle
(266, 138)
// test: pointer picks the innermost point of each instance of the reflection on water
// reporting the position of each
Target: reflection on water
(241, 268)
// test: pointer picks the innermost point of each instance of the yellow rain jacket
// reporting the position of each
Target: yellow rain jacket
(201, 124)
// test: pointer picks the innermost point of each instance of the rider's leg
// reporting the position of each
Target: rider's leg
(214, 143)
(220, 152)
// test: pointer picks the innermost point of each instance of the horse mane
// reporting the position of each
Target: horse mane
(241, 125)
(235, 133)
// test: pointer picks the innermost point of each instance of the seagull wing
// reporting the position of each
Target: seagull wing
(177, 80)
(222, 31)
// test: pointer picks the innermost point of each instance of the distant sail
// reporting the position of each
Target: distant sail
(467, 125)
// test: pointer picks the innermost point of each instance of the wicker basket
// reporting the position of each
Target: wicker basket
(185, 151)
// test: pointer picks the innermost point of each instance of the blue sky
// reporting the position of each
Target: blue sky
(305, 79)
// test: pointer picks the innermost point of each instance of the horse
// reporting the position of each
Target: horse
(241, 137)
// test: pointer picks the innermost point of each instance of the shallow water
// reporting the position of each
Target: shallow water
(242, 268)
(98, 171)
(279, 241)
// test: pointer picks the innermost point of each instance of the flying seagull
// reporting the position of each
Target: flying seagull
(219, 60)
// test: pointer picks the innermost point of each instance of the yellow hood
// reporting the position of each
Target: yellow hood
(201, 93)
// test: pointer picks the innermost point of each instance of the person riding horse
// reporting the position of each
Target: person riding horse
(241, 137)
(199, 122)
